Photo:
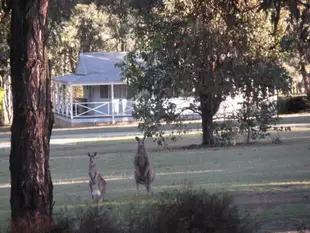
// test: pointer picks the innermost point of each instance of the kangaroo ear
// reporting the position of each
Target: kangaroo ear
(95, 154)
(88, 154)
(138, 139)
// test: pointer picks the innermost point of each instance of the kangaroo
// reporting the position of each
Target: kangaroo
(144, 173)
(97, 185)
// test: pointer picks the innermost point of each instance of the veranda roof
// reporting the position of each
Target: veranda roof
(90, 79)
(97, 68)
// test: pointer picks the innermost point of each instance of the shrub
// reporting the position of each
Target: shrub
(174, 211)
(90, 219)
(189, 211)
(295, 104)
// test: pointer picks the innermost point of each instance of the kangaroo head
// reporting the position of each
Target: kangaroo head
(141, 146)
(92, 158)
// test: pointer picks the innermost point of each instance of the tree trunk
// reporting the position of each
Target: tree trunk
(209, 106)
(248, 138)
(305, 77)
(31, 184)
(71, 61)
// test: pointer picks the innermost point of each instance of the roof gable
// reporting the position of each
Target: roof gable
(99, 62)
(96, 68)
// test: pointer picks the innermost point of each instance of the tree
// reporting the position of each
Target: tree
(278, 6)
(85, 31)
(4, 65)
(90, 28)
(4, 47)
(296, 41)
(202, 49)
(121, 22)
(31, 185)
(296, 44)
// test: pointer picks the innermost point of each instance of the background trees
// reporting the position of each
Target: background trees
(91, 27)
(295, 43)
(205, 49)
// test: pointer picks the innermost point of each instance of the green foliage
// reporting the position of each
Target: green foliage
(277, 7)
(189, 211)
(86, 31)
(185, 210)
(295, 43)
(252, 120)
(256, 118)
(90, 28)
(206, 54)
(226, 133)
(258, 109)
(86, 219)
(152, 108)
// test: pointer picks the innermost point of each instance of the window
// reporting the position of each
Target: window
(120, 91)
(105, 92)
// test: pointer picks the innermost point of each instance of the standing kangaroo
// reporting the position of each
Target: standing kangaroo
(97, 185)
(144, 173)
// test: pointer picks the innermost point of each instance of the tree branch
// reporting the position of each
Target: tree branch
(192, 108)
(300, 2)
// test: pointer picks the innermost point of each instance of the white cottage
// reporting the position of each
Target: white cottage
(105, 93)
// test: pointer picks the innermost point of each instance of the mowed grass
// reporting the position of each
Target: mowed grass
(271, 181)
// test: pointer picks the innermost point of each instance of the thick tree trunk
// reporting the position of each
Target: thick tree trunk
(209, 106)
(31, 184)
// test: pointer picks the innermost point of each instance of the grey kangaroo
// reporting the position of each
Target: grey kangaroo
(97, 185)
(144, 173)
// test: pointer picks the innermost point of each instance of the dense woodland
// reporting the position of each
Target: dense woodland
(77, 26)
(207, 49)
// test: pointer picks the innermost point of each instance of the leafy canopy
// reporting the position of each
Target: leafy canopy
(201, 49)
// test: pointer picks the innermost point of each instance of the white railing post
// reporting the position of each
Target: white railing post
(55, 93)
(62, 99)
(71, 102)
(112, 100)
(57, 99)
(67, 101)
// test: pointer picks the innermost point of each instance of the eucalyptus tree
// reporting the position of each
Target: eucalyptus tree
(204, 49)
(31, 185)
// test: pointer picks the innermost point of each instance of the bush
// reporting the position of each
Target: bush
(295, 104)
(90, 219)
(175, 211)
(189, 211)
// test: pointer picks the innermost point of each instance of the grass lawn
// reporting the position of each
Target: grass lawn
(270, 181)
